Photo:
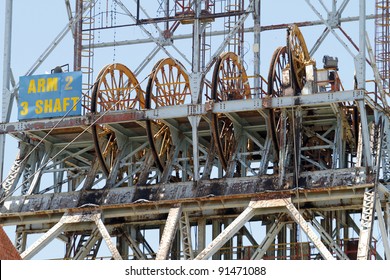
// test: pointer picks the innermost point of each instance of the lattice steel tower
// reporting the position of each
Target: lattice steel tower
(190, 139)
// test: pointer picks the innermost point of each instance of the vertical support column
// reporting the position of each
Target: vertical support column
(201, 235)
(365, 134)
(131, 238)
(294, 250)
(175, 248)
(122, 244)
(227, 252)
(7, 98)
(283, 151)
(194, 121)
(339, 160)
(382, 227)
(360, 59)
(281, 253)
(78, 37)
(338, 226)
(196, 45)
(195, 84)
(297, 121)
(216, 230)
(196, 38)
(256, 46)
(166, 10)
(345, 216)
(20, 239)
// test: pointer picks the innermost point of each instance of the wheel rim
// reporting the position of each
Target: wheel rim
(116, 88)
(298, 55)
(168, 85)
(279, 62)
(230, 82)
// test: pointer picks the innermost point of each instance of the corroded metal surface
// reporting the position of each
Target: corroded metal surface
(183, 110)
(316, 186)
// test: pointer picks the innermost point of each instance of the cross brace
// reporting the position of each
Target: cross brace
(67, 219)
(169, 233)
(299, 219)
(329, 240)
(366, 224)
(185, 234)
(236, 225)
(268, 239)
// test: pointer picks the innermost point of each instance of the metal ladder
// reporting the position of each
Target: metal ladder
(88, 246)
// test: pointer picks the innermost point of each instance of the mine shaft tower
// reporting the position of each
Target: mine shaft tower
(196, 148)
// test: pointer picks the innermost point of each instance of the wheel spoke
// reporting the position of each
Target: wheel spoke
(230, 82)
(299, 55)
(116, 88)
(165, 88)
(279, 62)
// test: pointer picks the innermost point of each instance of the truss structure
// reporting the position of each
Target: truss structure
(204, 148)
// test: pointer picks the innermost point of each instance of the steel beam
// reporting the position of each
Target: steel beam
(329, 240)
(256, 46)
(382, 228)
(300, 220)
(107, 238)
(365, 134)
(319, 186)
(222, 32)
(210, 199)
(67, 220)
(366, 224)
(181, 111)
(360, 60)
(268, 239)
(238, 24)
(7, 98)
(169, 233)
(329, 27)
(236, 225)
(134, 246)
(83, 252)
(155, 40)
(185, 235)
(45, 239)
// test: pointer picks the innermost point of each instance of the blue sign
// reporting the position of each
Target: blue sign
(47, 96)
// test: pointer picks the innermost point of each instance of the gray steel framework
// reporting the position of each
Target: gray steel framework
(298, 166)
